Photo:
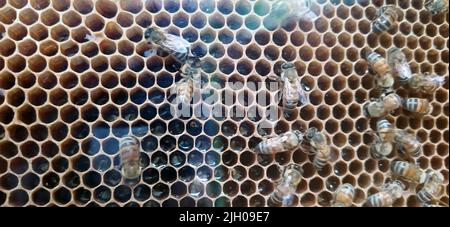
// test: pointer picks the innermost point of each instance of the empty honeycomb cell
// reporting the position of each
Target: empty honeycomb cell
(41, 197)
(125, 47)
(7, 115)
(18, 198)
(308, 200)
(443, 30)
(222, 173)
(82, 196)
(51, 17)
(234, 21)
(316, 184)
(352, 54)
(436, 163)
(125, 19)
(405, 28)
(17, 133)
(29, 149)
(329, 39)
(8, 150)
(7, 47)
(16, 63)
(113, 31)
(40, 165)
(84, 6)
(9, 181)
(29, 16)
(62, 195)
(69, 147)
(8, 15)
(349, 179)
(37, 63)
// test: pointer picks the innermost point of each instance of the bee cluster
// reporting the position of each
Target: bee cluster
(124, 103)
(388, 73)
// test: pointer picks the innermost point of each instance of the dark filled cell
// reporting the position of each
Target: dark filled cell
(168, 174)
(195, 158)
(160, 191)
(150, 176)
(60, 164)
(18, 198)
(177, 158)
(81, 163)
(50, 180)
(82, 195)
(159, 159)
(203, 143)
(122, 193)
(9, 181)
(185, 143)
(91, 179)
(39, 197)
(71, 179)
(176, 127)
(167, 143)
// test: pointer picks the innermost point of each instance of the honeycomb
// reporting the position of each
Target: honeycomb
(75, 78)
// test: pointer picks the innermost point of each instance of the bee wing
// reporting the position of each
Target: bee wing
(302, 10)
(176, 43)
(439, 80)
(303, 97)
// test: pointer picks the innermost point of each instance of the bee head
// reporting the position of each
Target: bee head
(310, 132)
(153, 34)
(287, 65)
(148, 32)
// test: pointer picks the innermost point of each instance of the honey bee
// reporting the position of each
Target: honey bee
(384, 138)
(399, 64)
(319, 146)
(191, 74)
(436, 7)
(173, 45)
(387, 196)
(286, 188)
(433, 187)
(418, 105)
(409, 144)
(343, 197)
(292, 91)
(378, 63)
(408, 171)
(386, 17)
(281, 143)
(130, 158)
(426, 83)
(282, 10)
(382, 68)
(382, 106)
